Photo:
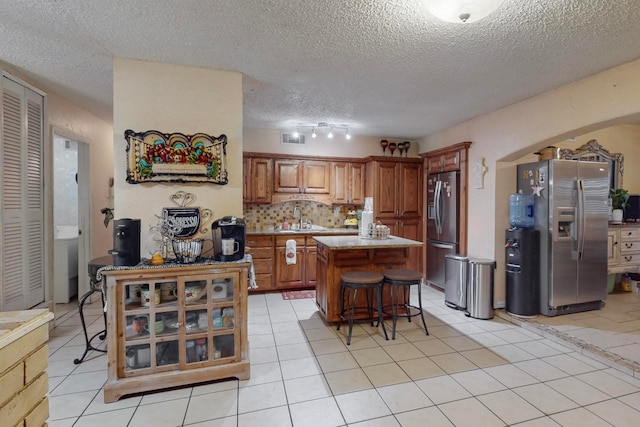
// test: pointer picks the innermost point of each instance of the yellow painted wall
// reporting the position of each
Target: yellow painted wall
(600, 101)
(172, 98)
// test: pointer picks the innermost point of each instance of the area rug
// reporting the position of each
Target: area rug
(307, 293)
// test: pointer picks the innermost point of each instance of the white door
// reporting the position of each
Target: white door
(22, 283)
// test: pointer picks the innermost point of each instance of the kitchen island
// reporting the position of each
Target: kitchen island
(337, 254)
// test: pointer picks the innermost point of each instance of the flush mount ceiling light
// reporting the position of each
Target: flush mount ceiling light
(323, 127)
(461, 11)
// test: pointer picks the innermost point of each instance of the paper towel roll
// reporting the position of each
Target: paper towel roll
(368, 204)
(367, 218)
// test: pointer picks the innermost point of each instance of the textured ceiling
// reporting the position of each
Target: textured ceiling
(384, 68)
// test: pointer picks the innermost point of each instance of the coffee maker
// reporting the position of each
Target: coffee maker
(229, 234)
(126, 242)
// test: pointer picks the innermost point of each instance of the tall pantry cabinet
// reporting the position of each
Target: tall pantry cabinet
(396, 187)
(22, 208)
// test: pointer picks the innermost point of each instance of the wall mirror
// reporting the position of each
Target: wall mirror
(594, 152)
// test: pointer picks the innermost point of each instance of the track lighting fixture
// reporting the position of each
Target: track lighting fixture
(329, 129)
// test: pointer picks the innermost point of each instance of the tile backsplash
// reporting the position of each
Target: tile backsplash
(263, 216)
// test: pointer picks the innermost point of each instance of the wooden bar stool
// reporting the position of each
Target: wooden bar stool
(371, 283)
(400, 281)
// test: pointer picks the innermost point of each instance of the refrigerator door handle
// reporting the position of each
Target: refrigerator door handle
(437, 199)
(581, 219)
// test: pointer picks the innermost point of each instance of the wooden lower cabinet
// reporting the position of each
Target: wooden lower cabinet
(409, 228)
(290, 275)
(270, 261)
(310, 265)
(262, 248)
(175, 326)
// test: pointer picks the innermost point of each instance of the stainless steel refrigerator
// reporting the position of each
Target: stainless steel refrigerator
(442, 223)
(570, 212)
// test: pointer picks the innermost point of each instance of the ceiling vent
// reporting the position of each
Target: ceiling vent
(288, 138)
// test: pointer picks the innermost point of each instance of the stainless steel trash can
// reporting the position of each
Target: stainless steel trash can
(455, 281)
(480, 288)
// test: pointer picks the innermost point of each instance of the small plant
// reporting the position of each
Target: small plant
(619, 198)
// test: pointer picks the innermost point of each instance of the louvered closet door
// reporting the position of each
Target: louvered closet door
(21, 197)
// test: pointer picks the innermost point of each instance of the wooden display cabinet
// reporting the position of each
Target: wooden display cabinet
(175, 326)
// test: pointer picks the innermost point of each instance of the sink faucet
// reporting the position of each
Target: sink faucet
(298, 209)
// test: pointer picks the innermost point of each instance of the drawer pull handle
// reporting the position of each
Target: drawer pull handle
(628, 258)
(628, 245)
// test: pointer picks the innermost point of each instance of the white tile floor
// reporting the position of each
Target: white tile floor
(613, 331)
(467, 372)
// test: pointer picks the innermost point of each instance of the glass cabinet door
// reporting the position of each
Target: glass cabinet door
(151, 325)
(210, 305)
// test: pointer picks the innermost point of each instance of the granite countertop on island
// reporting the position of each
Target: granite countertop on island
(356, 242)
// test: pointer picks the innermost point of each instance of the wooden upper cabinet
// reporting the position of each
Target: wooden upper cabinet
(301, 176)
(257, 178)
(386, 196)
(348, 183)
(410, 204)
(316, 177)
(396, 188)
(287, 176)
(451, 161)
(444, 162)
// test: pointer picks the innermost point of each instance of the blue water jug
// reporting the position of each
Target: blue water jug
(521, 210)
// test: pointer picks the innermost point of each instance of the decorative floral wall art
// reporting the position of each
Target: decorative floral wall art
(153, 156)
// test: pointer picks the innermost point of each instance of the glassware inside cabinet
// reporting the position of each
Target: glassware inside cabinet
(195, 292)
(132, 295)
(138, 356)
(223, 346)
(137, 327)
(223, 317)
(197, 350)
(196, 321)
(167, 323)
(168, 292)
(222, 290)
(167, 353)
(150, 295)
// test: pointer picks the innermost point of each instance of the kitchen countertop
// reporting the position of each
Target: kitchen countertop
(271, 231)
(355, 242)
(16, 324)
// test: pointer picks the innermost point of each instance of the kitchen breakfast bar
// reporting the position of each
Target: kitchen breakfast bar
(339, 254)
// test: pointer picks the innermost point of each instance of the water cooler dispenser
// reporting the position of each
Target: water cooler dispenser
(522, 269)
(126, 242)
